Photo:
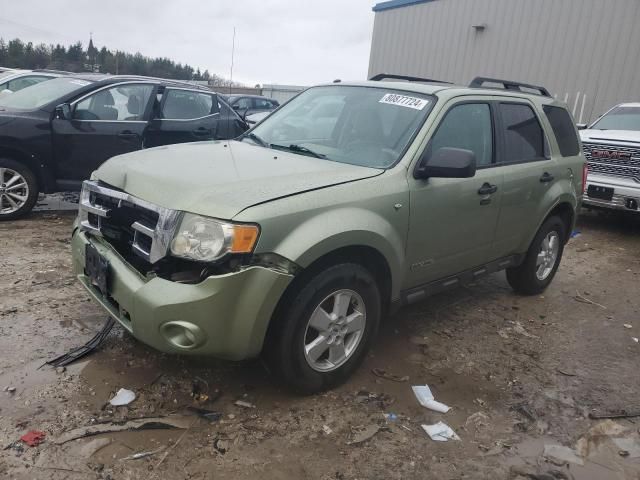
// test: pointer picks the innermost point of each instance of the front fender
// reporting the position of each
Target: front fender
(346, 227)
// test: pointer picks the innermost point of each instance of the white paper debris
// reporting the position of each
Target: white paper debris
(123, 397)
(635, 339)
(440, 432)
(243, 404)
(426, 399)
(628, 325)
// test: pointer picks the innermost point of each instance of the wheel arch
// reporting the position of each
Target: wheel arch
(30, 161)
(364, 255)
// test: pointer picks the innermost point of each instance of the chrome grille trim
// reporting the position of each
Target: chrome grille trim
(627, 168)
(160, 234)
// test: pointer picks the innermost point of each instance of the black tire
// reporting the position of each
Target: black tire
(523, 278)
(285, 348)
(32, 185)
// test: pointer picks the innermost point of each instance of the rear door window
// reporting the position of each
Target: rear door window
(524, 139)
(188, 105)
(564, 130)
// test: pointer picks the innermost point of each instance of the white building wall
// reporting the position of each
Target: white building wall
(585, 52)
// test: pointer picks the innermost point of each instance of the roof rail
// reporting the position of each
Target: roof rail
(408, 78)
(479, 82)
(49, 70)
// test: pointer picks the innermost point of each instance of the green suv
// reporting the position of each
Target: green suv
(349, 201)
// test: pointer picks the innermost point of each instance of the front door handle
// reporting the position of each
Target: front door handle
(487, 189)
(546, 178)
(202, 131)
(127, 134)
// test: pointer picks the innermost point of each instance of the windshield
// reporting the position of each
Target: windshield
(358, 125)
(42, 93)
(620, 118)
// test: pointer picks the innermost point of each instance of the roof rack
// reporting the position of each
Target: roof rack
(479, 82)
(408, 78)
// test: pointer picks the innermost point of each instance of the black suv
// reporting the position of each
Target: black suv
(54, 134)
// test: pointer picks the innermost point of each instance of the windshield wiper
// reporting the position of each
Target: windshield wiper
(255, 138)
(298, 149)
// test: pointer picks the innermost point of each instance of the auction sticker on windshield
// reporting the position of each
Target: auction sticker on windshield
(404, 101)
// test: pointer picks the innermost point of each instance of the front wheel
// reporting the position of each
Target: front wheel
(18, 189)
(535, 274)
(324, 332)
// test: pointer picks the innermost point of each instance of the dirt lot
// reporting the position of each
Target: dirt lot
(520, 373)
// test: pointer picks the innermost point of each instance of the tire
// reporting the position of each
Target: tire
(16, 200)
(531, 278)
(326, 292)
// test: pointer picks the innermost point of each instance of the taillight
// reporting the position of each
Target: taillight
(585, 172)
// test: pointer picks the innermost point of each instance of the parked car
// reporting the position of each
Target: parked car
(54, 134)
(612, 148)
(295, 241)
(249, 104)
(13, 80)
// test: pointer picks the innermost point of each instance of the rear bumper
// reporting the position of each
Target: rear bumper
(626, 193)
(226, 316)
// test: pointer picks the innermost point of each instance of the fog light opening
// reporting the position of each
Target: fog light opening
(182, 335)
(631, 204)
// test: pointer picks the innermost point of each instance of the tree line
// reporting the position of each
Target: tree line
(74, 58)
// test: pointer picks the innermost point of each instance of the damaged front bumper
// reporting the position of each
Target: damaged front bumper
(225, 316)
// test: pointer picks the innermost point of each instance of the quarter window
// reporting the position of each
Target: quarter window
(188, 105)
(523, 135)
(467, 126)
(120, 103)
(563, 129)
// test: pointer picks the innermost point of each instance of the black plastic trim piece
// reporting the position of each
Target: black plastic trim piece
(408, 78)
(421, 292)
(479, 82)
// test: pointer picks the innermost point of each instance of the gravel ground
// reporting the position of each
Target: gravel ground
(520, 373)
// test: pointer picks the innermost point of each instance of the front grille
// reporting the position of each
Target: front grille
(621, 162)
(128, 223)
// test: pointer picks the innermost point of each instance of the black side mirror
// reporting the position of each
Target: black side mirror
(582, 126)
(447, 163)
(63, 111)
(235, 107)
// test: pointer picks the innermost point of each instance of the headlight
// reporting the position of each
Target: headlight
(206, 239)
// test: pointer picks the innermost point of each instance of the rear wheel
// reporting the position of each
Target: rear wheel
(323, 334)
(535, 274)
(18, 189)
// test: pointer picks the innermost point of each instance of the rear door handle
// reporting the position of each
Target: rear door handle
(546, 178)
(487, 189)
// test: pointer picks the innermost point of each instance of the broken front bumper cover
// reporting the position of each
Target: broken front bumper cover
(225, 316)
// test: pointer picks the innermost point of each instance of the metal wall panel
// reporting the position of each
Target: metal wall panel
(586, 52)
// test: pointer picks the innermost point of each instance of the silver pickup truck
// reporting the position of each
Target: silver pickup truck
(612, 148)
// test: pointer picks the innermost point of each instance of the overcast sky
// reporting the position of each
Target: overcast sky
(299, 42)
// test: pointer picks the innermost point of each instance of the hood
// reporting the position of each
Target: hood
(609, 136)
(220, 179)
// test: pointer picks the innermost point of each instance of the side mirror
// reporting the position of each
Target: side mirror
(63, 111)
(582, 126)
(235, 107)
(447, 163)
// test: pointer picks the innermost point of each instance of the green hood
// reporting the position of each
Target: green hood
(220, 179)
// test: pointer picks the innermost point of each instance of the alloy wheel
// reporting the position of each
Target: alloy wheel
(14, 191)
(548, 255)
(334, 330)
